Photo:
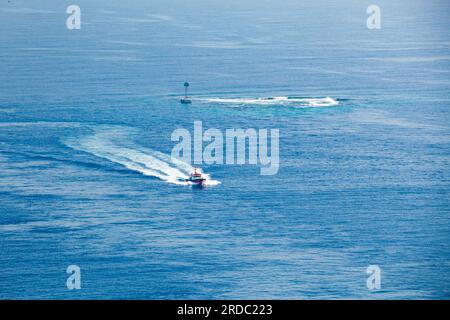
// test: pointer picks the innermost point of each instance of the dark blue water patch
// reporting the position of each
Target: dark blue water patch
(96, 164)
(34, 196)
(49, 230)
(12, 214)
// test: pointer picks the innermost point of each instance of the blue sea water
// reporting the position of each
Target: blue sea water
(86, 118)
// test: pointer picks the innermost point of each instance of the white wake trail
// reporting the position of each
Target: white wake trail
(274, 101)
(114, 145)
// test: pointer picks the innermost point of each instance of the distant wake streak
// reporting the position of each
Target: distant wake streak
(273, 101)
(114, 145)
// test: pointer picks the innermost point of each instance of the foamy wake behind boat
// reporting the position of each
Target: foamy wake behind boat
(115, 144)
(300, 102)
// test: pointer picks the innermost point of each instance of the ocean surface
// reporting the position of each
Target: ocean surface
(86, 118)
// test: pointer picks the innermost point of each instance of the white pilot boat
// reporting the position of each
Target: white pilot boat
(196, 178)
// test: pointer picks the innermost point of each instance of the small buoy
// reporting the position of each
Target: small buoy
(186, 100)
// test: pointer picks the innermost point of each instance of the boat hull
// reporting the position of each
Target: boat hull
(197, 182)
